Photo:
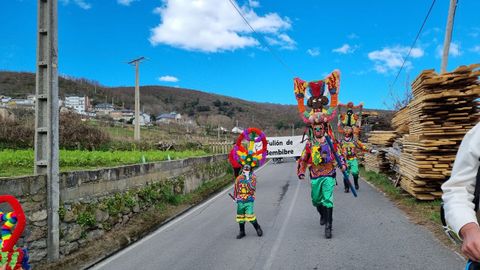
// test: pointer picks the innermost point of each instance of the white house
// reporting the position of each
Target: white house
(169, 117)
(79, 104)
(104, 108)
(145, 119)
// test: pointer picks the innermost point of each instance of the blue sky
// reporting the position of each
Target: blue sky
(205, 44)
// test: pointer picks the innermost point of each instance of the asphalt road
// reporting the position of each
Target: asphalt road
(369, 232)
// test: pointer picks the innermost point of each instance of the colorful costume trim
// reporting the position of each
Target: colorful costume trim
(245, 212)
(244, 189)
(11, 257)
(244, 194)
(232, 160)
(317, 101)
(251, 156)
(349, 118)
(349, 146)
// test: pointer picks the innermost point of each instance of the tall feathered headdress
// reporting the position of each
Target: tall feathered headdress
(318, 101)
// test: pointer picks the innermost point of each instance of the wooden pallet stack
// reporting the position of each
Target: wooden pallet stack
(379, 140)
(443, 109)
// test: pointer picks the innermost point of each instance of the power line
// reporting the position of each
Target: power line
(413, 45)
(260, 39)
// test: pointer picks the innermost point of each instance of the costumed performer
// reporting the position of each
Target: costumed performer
(318, 155)
(246, 183)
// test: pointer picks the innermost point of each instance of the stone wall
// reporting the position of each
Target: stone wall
(96, 201)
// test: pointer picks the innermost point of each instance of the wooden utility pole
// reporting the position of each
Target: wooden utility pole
(448, 34)
(47, 118)
(136, 62)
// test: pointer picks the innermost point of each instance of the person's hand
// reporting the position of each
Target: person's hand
(301, 176)
(471, 241)
(344, 168)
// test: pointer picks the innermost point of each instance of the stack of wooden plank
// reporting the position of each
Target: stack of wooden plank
(373, 161)
(379, 140)
(400, 121)
(443, 109)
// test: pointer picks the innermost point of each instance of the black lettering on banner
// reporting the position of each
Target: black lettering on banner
(280, 152)
(275, 143)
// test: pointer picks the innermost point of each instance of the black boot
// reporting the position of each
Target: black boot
(355, 179)
(328, 227)
(257, 228)
(346, 187)
(241, 234)
(321, 211)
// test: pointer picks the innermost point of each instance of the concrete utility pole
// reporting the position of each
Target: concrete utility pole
(46, 117)
(293, 130)
(448, 34)
(136, 62)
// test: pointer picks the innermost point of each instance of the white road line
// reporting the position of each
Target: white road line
(278, 241)
(164, 227)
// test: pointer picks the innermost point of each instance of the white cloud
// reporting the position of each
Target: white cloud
(345, 49)
(81, 3)
(475, 32)
(476, 49)
(253, 3)
(168, 78)
(283, 41)
(453, 51)
(313, 52)
(352, 36)
(125, 2)
(214, 25)
(391, 58)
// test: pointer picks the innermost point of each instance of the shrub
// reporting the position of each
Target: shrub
(75, 134)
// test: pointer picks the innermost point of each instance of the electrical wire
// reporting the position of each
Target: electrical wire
(413, 45)
(260, 39)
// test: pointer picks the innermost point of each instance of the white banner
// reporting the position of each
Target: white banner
(285, 146)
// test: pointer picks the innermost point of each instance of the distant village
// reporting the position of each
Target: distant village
(83, 106)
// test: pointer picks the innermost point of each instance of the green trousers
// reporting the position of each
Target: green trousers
(322, 191)
(352, 167)
(245, 212)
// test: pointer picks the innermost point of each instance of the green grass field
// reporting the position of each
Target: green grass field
(20, 162)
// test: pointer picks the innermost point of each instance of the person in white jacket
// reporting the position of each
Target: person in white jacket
(458, 194)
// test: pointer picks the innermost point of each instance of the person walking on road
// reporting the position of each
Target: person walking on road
(319, 159)
(244, 194)
(246, 183)
(319, 155)
(461, 196)
(348, 148)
